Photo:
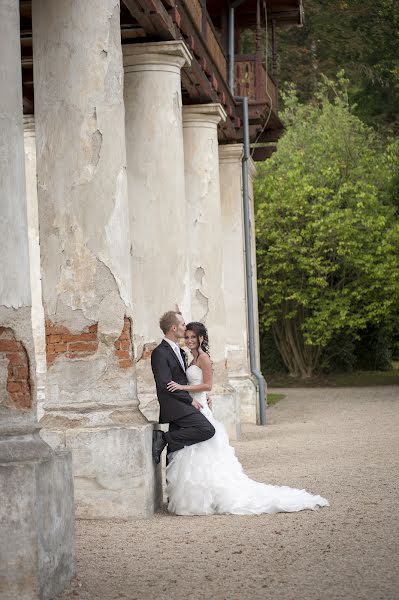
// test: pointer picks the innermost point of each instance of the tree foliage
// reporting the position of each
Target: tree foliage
(327, 232)
(359, 36)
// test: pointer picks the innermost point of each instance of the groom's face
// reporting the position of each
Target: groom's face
(181, 327)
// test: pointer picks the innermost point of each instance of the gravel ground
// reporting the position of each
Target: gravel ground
(340, 443)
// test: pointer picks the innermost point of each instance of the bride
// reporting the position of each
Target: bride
(206, 478)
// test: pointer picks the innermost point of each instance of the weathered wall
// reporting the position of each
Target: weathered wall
(91, 400)
(82, 192)
(36, 492)
(17, 360)
(205, 248)
(154, 142)
(237, 355)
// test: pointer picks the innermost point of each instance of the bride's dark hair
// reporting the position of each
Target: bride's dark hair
(200, 331)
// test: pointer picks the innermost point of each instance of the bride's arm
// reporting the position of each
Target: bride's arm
(204, 363)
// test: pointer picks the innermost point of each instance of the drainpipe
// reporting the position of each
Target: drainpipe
(248, 264)
(232, 6)
(247, 227)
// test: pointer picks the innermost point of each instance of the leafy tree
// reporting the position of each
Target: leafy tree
(327, 234)
(360, 36)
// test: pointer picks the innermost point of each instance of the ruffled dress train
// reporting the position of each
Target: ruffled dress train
(207, 478)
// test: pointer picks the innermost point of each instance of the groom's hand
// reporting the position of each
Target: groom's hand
(196, 404)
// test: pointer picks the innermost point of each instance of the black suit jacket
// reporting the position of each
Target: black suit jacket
(166, 367)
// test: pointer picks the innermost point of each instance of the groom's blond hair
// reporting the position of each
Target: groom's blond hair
(169, 319)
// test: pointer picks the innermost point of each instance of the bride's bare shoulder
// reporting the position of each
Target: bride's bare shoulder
(203, 359)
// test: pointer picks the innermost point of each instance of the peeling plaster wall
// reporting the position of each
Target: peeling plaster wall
(237, 351)
(83, 207)
(234, 263)
(15, 296)
(154, 141)
(204, 228)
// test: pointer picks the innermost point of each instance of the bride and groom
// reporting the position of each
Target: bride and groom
(203, 474)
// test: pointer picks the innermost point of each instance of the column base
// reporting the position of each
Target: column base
(149, 405)
(37, 519)
(114, 474)
(226, 408)
(247, 392)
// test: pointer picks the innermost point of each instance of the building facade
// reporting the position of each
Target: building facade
(122, 148)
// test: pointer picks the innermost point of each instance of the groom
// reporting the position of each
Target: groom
(187, 425)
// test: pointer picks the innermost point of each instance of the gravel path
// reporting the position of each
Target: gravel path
(340, 443)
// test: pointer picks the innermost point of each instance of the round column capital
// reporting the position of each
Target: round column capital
(231, 153)
(203, 115)
(157, 56)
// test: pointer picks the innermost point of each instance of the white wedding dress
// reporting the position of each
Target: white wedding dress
(206, 478)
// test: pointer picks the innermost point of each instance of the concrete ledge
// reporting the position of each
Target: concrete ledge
(247, 393)
(37, 556)
(225, 408)
(113, 470)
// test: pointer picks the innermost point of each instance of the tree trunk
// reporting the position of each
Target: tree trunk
(300, 359)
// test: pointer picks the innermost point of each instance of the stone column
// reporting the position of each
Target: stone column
(36, 492)
(155, 167)
(39, 334)
(235, 297)
(91, 401)
(205, 244)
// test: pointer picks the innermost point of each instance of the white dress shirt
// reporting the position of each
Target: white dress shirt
(176, 350)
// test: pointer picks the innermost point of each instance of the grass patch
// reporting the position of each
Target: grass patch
(355, 379)
(272, 399)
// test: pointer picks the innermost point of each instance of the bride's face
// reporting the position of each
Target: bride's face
(191, 340)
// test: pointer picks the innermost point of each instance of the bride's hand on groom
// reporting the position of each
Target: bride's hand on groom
(174, 387)
(196, 404)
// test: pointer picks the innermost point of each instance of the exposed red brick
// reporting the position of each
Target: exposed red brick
(61, 342)
(126, 363)
(17, 358)
(123, 346)
(80, 347)
(18, 384)
(79, 337)
(52, 329)
(9, 346)
(54, 339)
(122, 353)
(147, 350)
(22, 400)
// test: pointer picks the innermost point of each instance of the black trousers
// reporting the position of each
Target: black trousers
(187, 431)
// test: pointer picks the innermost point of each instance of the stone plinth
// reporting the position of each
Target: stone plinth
(37, 519)
(234, 277)
(91, 402)
(36, 493)
(155, 170)
(205, 247)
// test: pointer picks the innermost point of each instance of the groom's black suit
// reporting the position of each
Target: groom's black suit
(187, 424)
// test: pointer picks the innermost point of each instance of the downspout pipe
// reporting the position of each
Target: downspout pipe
(232, 6)
(247, 226)
(248, 263)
